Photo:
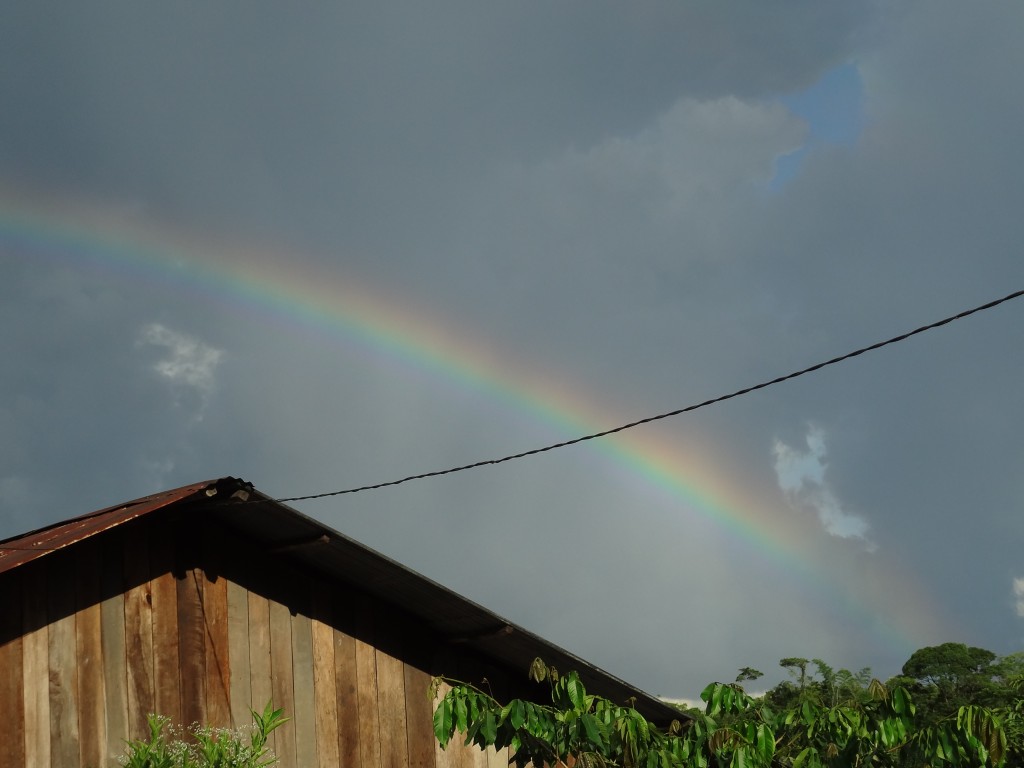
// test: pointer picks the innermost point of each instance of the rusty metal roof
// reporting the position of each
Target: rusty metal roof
(310, 544)
(30, 546)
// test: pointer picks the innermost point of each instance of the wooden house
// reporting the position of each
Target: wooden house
(205, 601)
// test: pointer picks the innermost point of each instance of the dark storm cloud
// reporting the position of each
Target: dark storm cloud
(336, 120)
(586, 188)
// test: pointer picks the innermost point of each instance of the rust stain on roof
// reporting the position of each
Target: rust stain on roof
(30, 546)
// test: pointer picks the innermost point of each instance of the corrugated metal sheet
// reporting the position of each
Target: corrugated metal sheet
(270, 525)
(30, 546)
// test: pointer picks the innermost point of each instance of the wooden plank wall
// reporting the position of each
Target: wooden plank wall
(95, 639)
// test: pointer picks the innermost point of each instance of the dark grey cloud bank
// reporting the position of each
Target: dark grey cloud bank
(588, 188)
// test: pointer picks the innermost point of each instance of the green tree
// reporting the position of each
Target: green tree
(798, 668)
(1009, 667)
(735, 730)
(949, 663)
(825, 685)
(748, 673)
(947, 676)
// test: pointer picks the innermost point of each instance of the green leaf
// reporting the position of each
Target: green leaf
(765, 743)
(740, 758)
(642, 726)
(808, 711)
(807, 753)
(900, 702)
(444, 723)
(577, 693)
(944, 749)
(593, 731)
(489, 729)
(887, 732)
(461, 714)
(518, 714)
(717, 691)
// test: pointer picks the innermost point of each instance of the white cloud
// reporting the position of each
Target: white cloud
(668, 194)
(189, 362)
(700, 147)
(1018, 593)
(801, 475)
(696, 149)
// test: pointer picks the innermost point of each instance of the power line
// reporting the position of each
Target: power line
(677, 412)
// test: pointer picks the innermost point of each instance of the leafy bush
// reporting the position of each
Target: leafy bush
(208, 747)
(851, 728)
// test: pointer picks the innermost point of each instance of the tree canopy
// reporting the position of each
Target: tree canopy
(949, 663)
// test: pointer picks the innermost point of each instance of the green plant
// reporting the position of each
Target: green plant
(168, 747)
(858, 728)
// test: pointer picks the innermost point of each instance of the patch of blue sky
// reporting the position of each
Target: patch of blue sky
(833, 109)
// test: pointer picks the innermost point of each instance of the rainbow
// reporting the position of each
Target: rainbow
(351, 312)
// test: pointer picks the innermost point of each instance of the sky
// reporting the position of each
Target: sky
(321, 246)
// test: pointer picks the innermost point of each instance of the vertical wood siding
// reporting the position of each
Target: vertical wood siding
(35, 666)
(166, 658)
(62, 656)
(115, 651)
(94, 640)
(238, 654)
(138, 633)
(89, 655)
(12, 674)
(325, 685)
